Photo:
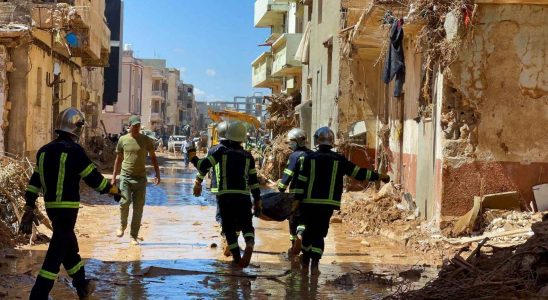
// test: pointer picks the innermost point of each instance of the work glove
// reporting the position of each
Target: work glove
(384, 178)
(191, 151)
(257, 207)
(26, 221)
(115, 192)
(197, 189)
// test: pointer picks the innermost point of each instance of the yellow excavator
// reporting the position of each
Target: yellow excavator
(227, 115)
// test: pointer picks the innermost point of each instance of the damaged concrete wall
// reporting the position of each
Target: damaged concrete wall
(494, 115)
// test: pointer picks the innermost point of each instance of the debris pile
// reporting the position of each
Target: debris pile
(370, 213)
(517, 272)
(498, 221)
(275, 159)
(101, 151)
(14, 176)
(280, 114)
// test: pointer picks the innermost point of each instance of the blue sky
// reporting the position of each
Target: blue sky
(212, 42)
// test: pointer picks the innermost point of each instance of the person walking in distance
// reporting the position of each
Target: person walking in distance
(236, 177)
(184, 149)
(131, 153)
(296, 138)
(321, 183)
(61, 165)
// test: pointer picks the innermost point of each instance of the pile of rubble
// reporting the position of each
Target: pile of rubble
(101, 151)
(280, 114)
(517, 272)
(275, 159)
(14, 176)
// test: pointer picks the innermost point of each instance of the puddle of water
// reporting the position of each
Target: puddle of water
(179, 231)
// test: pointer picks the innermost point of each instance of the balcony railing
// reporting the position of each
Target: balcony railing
(262, 72)
(269, 13)
(284, 49)
(158, 93)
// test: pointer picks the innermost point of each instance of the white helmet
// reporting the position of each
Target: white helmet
(296, 138)
(70, 121)
(324, 136)
(236, 132)
(221, 130)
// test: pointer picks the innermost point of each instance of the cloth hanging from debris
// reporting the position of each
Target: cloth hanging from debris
(394, 64)
(302, 51)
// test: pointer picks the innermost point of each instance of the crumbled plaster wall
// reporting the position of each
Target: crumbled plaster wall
(494, 114)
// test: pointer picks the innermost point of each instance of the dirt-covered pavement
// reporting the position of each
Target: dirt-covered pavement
(181, 255)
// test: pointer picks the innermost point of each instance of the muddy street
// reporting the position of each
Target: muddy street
(181, 255)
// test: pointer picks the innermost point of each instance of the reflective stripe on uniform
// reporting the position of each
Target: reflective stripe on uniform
(33, 189)
(289, 172)
(48, 275)
(306, 248)
(312, 177)
(252, 171)
(316, 250)
(214, 190)
(368, 176)
(41, 171)
(103, 185)
(281, 185)
(246, 172)
(212, 160)
(200, 176)
(61, 177)
(333, 179)
(303, 178)
(322, 201)
(76, 268)
(233, 246)
(249, 234)
(222, 192)
(296, 191)
(355, 172)
(63, 204)
(255, 186)
(301, 228)
(87, 171)
(292, 237)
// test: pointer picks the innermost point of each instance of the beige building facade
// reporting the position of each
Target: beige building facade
(46, 58)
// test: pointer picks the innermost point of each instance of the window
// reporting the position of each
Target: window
(156, 85)
(320, 11)
(38, 101)
(309, 15)
(329, 63)
(156, 107)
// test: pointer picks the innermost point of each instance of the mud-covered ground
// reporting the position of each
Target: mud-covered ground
(181, 255)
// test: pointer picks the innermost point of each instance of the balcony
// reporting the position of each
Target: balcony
(83, 18)
(155, 116)
(158, 94)
(262, 70)
(158, 74)
(284, 49)
(269, 12)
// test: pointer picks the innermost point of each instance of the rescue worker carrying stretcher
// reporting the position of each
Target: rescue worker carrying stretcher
(236, 177)
(321, 180)
(296, 138)
(214, 173)
(61, 165)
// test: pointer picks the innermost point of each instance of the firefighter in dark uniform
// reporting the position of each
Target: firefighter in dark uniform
(236, 177)
(296, 139)
(61, 165)
(321, 180)
(197, 190)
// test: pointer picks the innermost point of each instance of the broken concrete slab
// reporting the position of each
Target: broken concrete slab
(508, 200)
(465, 224)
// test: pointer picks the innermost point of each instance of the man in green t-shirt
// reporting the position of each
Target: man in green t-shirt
(131, 154)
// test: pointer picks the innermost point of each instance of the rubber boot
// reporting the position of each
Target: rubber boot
(305, 263)
(246, 259)
(236, 256)
(315, 267)
(86, 289)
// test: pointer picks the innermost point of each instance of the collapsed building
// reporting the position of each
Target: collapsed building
(52, 56)
(448, 97)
